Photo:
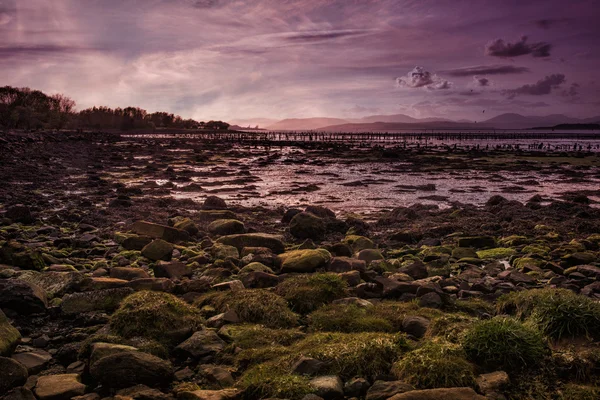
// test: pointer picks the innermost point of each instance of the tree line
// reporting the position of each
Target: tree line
(24, 108)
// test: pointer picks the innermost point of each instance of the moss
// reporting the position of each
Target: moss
(269, 381)
(473, 306)
(514, 240)
(557, 312)
(154, 315)
(9, 336)
(525, 262)
(348, 318)
(257, 306)
(247, 336)
(305, 293)
(497, 253)
(504, 344)
(358, 243)
(145, 346)
(450, 327)
(304, 260)
(255, 267)
(436, 364)
(536, 249)
(253, 356)
(579, 392)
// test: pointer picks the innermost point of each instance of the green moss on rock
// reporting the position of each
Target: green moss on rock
(305, 293)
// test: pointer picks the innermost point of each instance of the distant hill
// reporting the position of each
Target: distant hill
(253, 122)
(571, 127)
(398, 118)
(391, 126)
(299, 124)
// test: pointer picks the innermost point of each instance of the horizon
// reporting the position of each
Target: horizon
(471, 61)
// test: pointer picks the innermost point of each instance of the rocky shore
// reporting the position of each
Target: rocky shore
(109, 290)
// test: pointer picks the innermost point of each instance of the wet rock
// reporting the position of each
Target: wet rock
(19, 213)
(172, 270)
(383, 390)
(35, 361)
(304, 260)
(9, 336)
(328, 387)
(226, 227)
(415, 326)
(128, 273)
(59, 387)
(214, 203)
(307, 226)
(158, 249)
(99, 300)
(158, 231)
(12, 374)
(22, 297)
(241, 241)
(202, 343)
(127, 369)
(439, 394)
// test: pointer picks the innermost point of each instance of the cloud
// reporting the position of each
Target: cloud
(418, 78)
(480, 81)
(548, 23)
(572, 91)
(7, 52)
(317, 36)
(542, 87)
(500, 48)
(486, 70)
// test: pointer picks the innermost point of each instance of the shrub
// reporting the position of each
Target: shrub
(257, 306)
(504, 343)
(348, 318)
(436, 364)
(269, 381)
(557, 312)
(305, 293)
(154, 315)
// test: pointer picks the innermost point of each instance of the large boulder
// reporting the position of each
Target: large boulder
(22, 297)
(158, 231)
(9, 336)
(304, 260)
(12, 374)
(99, 300)
(99, 350)
(214, 203)
(226, 227)
(19, 255)
(35, 360)
(131, 368)
(56, 284)
(158, 249)
(439, 394)
(59, 387)
(240, 241)
(307, 226)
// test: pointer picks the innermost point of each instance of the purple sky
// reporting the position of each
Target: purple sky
(232, 59)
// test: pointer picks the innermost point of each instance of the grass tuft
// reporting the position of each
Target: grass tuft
(306, 293)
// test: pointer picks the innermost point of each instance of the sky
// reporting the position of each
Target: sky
(234, 59)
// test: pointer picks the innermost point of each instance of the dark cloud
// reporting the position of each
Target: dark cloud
(542, 87)
(469, 93)
(486, 70)
(572, 91)
(549, 23)
(500, 48)
(23, 51)
(418, 78)
(322, 35)
(481, 81)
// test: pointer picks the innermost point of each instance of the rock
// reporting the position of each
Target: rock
(439, 394)
(135, 242)
(224, 227)
(216, 374)
(356, 387)
(59, 387)
(211, 215)
(259, 280)
(172, 270)
(158, 249)
(307, 366)
(234, 286)
(163, 232)
(141, 392)
(304, 260)
(214, 203)
(464, 252)
(100, 350)
(55, 284)
(328, 387)
(202, 343)
(383, 390)
(393, 289)
(416, 270)
(100, 300)
(127, 369)
(320, 211)
(153, 284)
(18, 255)
(225, 394)
(22, 297)
(95, 283)
(12, 374)
(356, 301)
(307, 226)
(415, 325)
(228, 317)
(352, 278)
(19, 213)
(187, 225)
(289, 214)
(579, 258)
(494, 382)
(19, 393)
(9, 336)
(368, 255)
(222, 251)
(241, 241)
(431, 300)
(477, 242)
(35, 361)
(128, 273)
(346, 264)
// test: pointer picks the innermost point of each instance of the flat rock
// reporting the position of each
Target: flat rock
(59, 387)
(439, 394)
(35, 361)
(100, 300)
(239, 241)
(383, 390)
(158, 231)
(22, 297)
(127, 369)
